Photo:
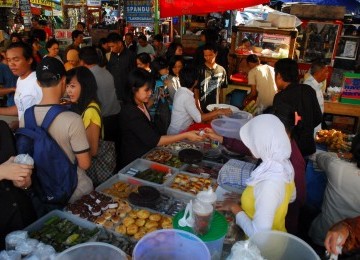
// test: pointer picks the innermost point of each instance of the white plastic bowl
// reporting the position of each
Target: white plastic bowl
(276, 245)
(228, 127)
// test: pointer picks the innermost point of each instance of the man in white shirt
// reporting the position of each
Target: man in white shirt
(144, 46)
(261, 78)
(184, 111)
(28, 92)
(318, 74)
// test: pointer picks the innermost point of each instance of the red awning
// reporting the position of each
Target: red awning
(170, 8)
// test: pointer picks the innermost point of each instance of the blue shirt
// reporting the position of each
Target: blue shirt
(8, 80)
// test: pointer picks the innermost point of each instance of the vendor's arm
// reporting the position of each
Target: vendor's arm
(268, 196)
(251, 95)
(231, 144)
(5, 91)
(9, 111)
(191, 136)
(215, 113)
(349, 232)
(197, 99)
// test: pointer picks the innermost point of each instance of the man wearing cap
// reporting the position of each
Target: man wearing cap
(67, 129)
(28, 92)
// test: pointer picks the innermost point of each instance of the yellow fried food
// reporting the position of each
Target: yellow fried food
(143, 214)
(128, 221)
(132, 229)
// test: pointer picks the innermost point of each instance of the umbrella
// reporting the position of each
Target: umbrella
(170, 8)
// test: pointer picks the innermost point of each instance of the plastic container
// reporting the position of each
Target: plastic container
(92, 251)
(228, 127)
(275, 245)
(170, 244)
(142, 165)
(214, 239)
(240, 115)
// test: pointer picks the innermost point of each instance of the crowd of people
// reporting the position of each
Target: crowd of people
(139, 96)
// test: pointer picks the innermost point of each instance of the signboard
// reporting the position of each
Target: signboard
(6, 3)
(26, 13)
(43, 2)
(170, 8)
(351, 87)
(93, 2)
(139, 13)
(63, 33)
(276, 38)
(72, 2)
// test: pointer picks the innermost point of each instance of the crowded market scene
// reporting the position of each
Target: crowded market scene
(158, 129)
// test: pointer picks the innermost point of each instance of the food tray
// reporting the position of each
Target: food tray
(37, 225)
(183, 194)
(133, 184)
(206, 167)
(173, 161)
(175, 148)
(141, 165)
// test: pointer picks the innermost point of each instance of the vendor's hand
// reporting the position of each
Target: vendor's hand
(336, 236)
(14, 171)
(224, 112)
(228, 205)
(210, 134)
(194, 136)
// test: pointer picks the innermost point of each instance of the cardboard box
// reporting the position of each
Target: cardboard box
(281, 20)
(314, 12)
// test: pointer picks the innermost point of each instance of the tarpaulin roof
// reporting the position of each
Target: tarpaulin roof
(170, 8)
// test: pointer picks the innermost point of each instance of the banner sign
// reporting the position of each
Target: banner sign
(276, 38)
(170, 8)
(72, 2)
(43, 2)
(93, 2)
(139, 13)
(26, 13)
(63, 33)
(6, 3)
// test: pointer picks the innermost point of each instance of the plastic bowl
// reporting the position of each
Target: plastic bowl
(92, 251)
(241, 115)
(170, 244)
(274, 245)
(228, 127)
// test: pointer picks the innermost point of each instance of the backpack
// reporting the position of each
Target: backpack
(55, 176)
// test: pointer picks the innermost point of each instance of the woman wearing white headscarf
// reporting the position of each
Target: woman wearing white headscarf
(264, 203)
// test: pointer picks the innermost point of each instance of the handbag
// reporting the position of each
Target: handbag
(104, 163)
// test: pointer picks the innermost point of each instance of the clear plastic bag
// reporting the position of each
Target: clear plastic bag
(245, 250)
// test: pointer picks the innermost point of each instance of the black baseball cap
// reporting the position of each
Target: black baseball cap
(49, 70)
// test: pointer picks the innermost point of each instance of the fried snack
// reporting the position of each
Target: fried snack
(133, 213)
(151, 224)
(151, 230)
(155, 217)
(121, 229)
(144, 214)
(108, 224)
(335, 140)
(139, 235)
(100, 220)
(132, 229)
(128, 221)
(140, 222)
(115, 219)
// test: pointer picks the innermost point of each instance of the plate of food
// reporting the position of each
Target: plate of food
(212, 107)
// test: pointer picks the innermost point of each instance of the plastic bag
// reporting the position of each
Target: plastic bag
(24, 159)
(245, 250)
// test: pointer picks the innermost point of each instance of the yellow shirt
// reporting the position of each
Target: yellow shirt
(92, 115)
(248, 205)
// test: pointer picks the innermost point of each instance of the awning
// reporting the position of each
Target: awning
(170, 8)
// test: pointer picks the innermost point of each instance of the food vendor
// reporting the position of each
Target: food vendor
(341, 199)
(264, 203)
(138, 133)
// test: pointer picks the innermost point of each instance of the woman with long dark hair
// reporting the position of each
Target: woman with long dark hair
(138, 133)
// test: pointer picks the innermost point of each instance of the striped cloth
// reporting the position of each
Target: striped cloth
(234, 174)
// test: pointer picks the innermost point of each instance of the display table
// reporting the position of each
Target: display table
(337, 108)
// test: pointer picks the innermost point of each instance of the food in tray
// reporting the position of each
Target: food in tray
(180, 145)
(335, 140)
(212, 170)
(93, 205)
(137, 223)
(62, 233)
(169, 205)
(120, 190)
(190, 184)
(146, 196)
(158, 155)
(153, 175)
